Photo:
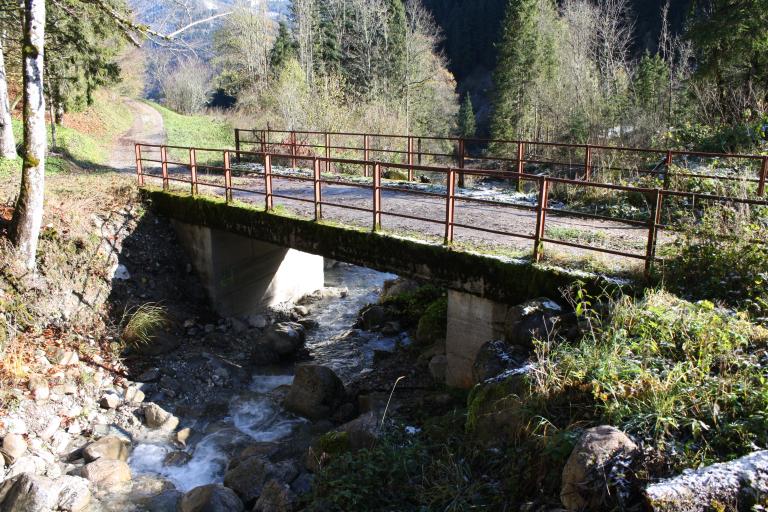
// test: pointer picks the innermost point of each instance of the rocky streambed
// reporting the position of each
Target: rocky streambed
(218, 415)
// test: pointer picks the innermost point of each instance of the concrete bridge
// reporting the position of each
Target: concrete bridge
(248, 257)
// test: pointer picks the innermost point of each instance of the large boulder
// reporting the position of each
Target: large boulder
(281, 340)
(211, 498)
(275, 497)
(497, 357)
(29, 493)
(534, 319)
(358, 434)
(736, 485)
(316, 392)
(247, 477)
(110, 447)
(373, 317)
(157, 417)
(496, 410)
(106, 473)
(585, 482)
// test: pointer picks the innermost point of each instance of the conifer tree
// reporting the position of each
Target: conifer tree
(394, 58)
(283, 50)
(467, 126)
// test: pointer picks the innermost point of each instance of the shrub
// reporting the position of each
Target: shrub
(722, 257)
(141, 323)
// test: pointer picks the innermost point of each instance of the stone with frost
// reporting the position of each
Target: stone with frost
(534, 319)
(211, 498)
(121, 273)
(110, 448)
(106, 473)
(496, 357)
(734, 485)
(584, 482)
(38, 385)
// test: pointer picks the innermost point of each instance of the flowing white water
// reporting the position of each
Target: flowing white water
(253, 414)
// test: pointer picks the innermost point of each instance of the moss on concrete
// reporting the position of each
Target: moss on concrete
(433, 323)
(503, 280)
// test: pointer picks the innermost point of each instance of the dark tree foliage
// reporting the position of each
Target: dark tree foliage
(284, 48)
(467, 125)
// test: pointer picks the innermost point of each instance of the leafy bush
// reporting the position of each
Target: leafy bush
(722, 257)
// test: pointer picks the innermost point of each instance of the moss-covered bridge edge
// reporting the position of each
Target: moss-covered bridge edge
(503, 280)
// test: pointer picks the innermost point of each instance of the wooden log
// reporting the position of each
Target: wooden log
(731, 486)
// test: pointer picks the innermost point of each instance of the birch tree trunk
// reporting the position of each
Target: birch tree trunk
(28, 215)
(7, 142)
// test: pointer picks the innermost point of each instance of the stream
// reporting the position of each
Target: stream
(254, 415)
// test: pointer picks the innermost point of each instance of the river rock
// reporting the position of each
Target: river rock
(177, 458)
(65, 357)
(373, 317)
(74, 494)
(106, 473)
(247, 477)
(735, 485)
(438, 365)
(534, 319)
(109, 401)
(258, 321)
(275, 497)
(27, 493)
(394, 287)
(285, 338)
(38, 386)
(166, 501)
(134, 395)
(156, 417)
(358, 434)
(316, 392)
(584, 485)
(211, 498)
(14, 446)
(110, 447)
(496, 357)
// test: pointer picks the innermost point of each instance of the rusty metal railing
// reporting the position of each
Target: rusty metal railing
(188, 174)
(411, 149)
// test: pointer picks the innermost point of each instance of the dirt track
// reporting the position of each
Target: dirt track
(147, 127)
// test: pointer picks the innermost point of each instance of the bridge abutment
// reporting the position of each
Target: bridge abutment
(472, 321)
(241, 274)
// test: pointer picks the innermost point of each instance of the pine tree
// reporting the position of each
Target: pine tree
(283, 50)
(516, 70)
(467, 126)
(394, 58)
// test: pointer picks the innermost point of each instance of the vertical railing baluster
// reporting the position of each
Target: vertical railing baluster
(366, 153)
(293, 149)
(376, 196)
(450, 205)
(164, 167)
(541, 219)
(318, 189)
(328, 152)
(268, 183)
(227, 177)
(139, 166)
(461, 150)
(410, 158)
(520, 165)
(653, 225)
(588, 163)
(667, 170)
(763, 177)
(237, 145)
(193, 170)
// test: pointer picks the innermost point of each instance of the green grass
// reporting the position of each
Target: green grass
(198, 131)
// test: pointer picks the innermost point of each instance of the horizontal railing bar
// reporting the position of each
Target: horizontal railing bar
(592, 248)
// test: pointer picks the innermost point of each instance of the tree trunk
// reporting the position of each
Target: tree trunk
(7, 141)
(28, 216)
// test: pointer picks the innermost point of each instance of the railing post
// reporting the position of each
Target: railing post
(653, 226)
(193, 170)
(461, 150)
(328, 152)
(588, 163)
(139, 166)
(450, 204)
(293, 149)
(410, 158)
(418, 150)
(227, 177)
(268, 182)
(164, 167)
(237, 145)
(763, 177)
(667, 170)
(318, 189)
(376, 196)
(520, 165)
(541, 219)
(366, 154)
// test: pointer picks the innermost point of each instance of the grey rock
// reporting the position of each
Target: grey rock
(247, 476)
(151, 375)
(110, 447)
(106, 473)
(74, 494)
(27, 493)
(275, 497)
(496, 357)
(258, 321)
(166, 501)
(210, 498)
(285, 338)
(109, 401)
(176, 458)
(156, 417)
(373, 317)
(38, 385)
(303, 484)
(316, 392)
(534, 319)
(14, 446)
(438, 365)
